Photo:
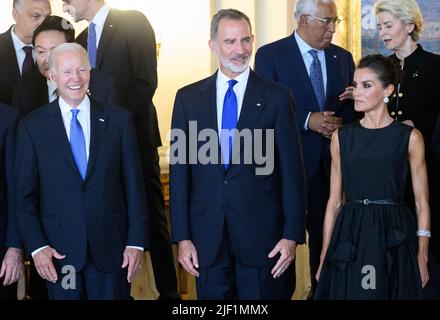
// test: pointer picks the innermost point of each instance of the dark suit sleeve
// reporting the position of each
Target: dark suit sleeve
(436, 142)
(264, 65)
(180, 178)
(290, 160)
(27, 191)
(348, 113)
(134, 189)
(142, 49)
(12, 235)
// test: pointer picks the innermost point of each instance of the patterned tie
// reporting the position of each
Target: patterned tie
(91, 44)
(28, 63)
(317, 79)
(229, 122)
(78, 144)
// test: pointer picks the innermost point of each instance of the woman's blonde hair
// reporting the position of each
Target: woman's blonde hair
(407, 11)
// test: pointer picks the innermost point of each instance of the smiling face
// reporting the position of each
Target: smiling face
(28, 15)
(394, 33)
(71, 74)
(233, 46)
(369, 91)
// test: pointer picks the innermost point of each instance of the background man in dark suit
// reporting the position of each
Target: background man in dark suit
(11, 258)
(16, 51)
(80, 197)
(37, 90)
(121, 44)
(237, 231)
(317, 72)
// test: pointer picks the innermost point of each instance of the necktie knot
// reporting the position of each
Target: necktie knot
(28, 50)
(314, 53)
(232, 83)
(74, 113)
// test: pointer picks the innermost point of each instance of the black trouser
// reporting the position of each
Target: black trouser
(160, 249)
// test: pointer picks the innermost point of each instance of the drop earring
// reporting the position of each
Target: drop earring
(386, 100)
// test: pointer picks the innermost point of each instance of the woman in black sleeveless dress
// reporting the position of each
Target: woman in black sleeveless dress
(372, 246)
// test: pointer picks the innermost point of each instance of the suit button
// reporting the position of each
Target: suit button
(400, 94)
(393, 113)
(400, 113)
(84, 189)
(226, 182)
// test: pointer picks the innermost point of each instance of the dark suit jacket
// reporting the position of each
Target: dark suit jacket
(56, 207)
(32, 92)
(127, 53)
(281, 61)
(436, 144)
(259, 210)
(8, 230)
(9, 71)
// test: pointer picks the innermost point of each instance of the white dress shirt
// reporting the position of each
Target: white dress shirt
(99, 21)
(223, 86)
(19, 52)
(84, 119)
(304, 48)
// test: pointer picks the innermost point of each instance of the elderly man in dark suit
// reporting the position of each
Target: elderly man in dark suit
(81, 203)
(318, 73)
(11, 258)
(37, 89)
(16, 52)
(121, 45)
(237, 221)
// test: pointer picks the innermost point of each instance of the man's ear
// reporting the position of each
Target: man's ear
(212, 46)
(15, 14)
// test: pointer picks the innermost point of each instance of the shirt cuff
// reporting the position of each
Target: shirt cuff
(38, 250)
(134, 247)
(306, 124)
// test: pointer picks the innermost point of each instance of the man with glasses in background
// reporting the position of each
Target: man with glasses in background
(317, 72)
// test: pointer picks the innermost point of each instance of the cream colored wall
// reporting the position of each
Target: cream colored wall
(182, 28)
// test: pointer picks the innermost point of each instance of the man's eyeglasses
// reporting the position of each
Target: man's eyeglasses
(328, 21)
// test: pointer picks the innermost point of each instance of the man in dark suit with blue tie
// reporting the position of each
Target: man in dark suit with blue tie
(81, 203)
(237, 220)
(318, 74)
(11, 257)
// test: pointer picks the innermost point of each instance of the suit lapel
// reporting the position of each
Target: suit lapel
(106, 36)
(253, 105)
(98, 123)
(208, 99)
(56, 124)
(298, 68)
(332, 62)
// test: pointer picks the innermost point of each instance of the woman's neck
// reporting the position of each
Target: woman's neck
(406, 50)
(377, 118)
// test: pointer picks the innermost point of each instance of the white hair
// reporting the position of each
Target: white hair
(66, 47)
(308, 7)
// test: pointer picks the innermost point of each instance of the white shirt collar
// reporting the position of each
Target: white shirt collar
(51, 87)
(84, 106)
(222, 79)
(101, 16)
(304, 48)
(18, 44)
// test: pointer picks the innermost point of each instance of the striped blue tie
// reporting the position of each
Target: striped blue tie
(78, 144)
(91, 44)
(317, 79)
(229, 122)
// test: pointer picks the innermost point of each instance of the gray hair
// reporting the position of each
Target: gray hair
(18, 3)
(308, 7)
(231, 14)
(66, 47)
(406, 11)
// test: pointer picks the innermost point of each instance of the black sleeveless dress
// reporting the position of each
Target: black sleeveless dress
(373, 249)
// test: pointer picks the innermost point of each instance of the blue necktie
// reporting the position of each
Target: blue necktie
(78, 144)
(91, 44)
(317, 79)
(229, 122)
